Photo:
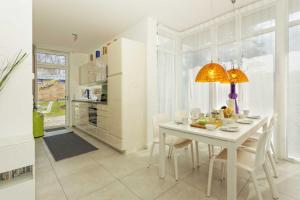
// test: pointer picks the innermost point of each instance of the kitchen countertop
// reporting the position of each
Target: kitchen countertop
(89, 101)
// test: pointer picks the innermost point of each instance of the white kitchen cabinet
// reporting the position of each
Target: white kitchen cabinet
(80, 114)
(93, 71)
(122, 122)
(114, 58)
(126, 95)
(83, 75)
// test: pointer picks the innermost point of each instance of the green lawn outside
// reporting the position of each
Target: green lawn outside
(58, 108)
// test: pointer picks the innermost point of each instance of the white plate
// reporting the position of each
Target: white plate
(229, 129)
(244, 121)
(254, 117)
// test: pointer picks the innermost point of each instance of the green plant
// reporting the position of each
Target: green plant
(9, 67)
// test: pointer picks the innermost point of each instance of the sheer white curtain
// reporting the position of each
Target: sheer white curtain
(258, 46)
(227, 53)
(195, 53)
(166, 75)
(293, 122)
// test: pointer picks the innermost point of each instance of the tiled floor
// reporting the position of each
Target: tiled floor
(108, 175)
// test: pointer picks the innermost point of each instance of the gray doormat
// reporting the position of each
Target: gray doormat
(67, 145)
(54, 129)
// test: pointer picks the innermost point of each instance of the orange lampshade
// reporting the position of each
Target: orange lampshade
(236, 76)
(212, 72)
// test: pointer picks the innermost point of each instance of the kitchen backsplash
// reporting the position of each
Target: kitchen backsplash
(95, 91)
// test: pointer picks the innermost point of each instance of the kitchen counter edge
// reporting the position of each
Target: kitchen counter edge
(90, 101)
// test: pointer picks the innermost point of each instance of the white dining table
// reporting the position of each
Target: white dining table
(229, 140)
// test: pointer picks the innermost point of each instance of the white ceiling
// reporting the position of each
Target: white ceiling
(97, 21)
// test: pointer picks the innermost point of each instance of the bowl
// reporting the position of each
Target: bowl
(210, 127)
(228, 121)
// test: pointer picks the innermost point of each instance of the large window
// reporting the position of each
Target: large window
(258, 64)
(166, 75)
(51, 59)
(248, 45)
(293, 121)
(246, 39)
(195, 53)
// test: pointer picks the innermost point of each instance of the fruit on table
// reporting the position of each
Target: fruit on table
(228, 112)
(201, 121)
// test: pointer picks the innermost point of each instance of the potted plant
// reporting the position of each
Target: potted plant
(9, 67)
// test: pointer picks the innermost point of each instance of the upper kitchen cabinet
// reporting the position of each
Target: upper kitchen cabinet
(115, 57)
(93, 72)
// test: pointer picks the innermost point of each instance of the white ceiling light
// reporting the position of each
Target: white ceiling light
(75, 37)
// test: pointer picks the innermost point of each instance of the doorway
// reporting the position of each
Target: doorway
(51, 96)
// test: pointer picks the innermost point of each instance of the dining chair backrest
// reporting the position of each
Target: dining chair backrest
(273, 121)
(264, 143)
(157, 120)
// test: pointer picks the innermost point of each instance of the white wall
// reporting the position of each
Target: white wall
(146, 31)
(16, 98)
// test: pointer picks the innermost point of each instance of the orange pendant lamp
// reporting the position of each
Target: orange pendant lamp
(212, 72)
(235, 76)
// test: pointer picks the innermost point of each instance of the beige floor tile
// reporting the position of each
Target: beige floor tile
(42, 162)
(199, 178)
(146, 183)
(248, 193)
(85, 181)
(114, 191)
(44, 176)
(72, 165)
(91, 176)
(104, 152)
(183, 191)
(50, 191)
(290, 187)
(121, 165)
(286, 169)
(184, 164)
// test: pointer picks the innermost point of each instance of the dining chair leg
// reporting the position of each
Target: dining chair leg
(151, 153)
(274, 152)
(273, 164)
(222, 171)
(170, 151)
(253, 178)
(212, 150)
(192, 154)
(211, 167)
(175, 165)
(271, 182)
(197, 153)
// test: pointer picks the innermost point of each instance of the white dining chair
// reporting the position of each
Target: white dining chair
(250, 162)
(174, 143)
(251, 145)
(195, 113)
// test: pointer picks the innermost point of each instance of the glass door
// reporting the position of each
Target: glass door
(51, 96)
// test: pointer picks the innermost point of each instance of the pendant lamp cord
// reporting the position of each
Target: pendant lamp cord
(212, 12)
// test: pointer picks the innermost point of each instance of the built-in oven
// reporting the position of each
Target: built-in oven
(93, 116)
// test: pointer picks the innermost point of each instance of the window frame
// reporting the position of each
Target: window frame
(58, 53)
